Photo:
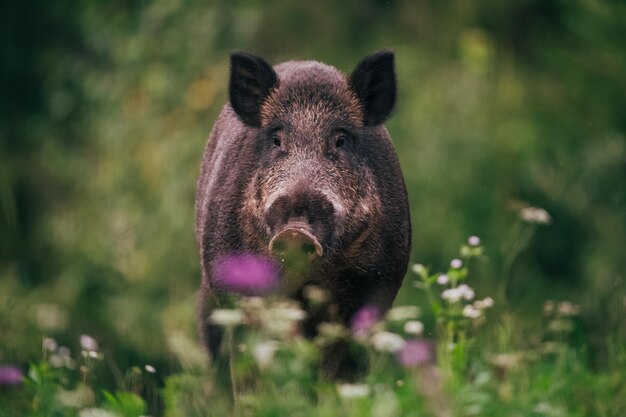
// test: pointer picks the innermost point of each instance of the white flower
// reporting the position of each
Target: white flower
(471, 312)
(63, 358)
(419, 269)
(264, 353)
(225, 317)
(387, 342)
(566, 308)
(486, 302)
(282, 317)
(332, 330)
(403, 313)
(452, 295)
(49, 344)
(443, 279)
(251, 304)
(56, 361)
(414, 327)
(466, 291)
(315, 294)
(291, 313)
(97, 412)
(456, 263)
(535, 215)
(348, 391)
(150, 368)
(93, 354)
(473, 241)
(88, 343)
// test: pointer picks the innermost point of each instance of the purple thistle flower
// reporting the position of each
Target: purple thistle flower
(10, 376)
(416, 352)
(365, 319)
(246, 274)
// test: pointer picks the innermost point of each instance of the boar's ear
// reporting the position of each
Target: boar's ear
(374, 82)
(251, 80)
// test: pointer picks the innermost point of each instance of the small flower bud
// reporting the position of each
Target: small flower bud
(387, 342)
(471, 312)
(443, 279)
(456, 263)
(414, 327)
(348, 391)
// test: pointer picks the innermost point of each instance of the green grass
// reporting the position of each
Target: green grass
(486, 363)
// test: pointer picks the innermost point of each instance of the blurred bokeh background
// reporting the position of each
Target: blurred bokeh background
(105, 108)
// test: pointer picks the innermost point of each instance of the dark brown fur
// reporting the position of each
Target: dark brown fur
(353, 195)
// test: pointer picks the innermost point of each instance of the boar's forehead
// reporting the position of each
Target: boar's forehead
(311, 95)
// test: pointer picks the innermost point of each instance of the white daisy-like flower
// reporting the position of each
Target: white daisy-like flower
(96, 412)
(291, 313)
(251, 304)
(226, 317)
(88, 343)
(486, 302)
(332, 330)
(471, 312)
(467, 292)
(414, 327)
(282, 318)
(452, 295)
(403, 313)
(49, 344)
(419, 269)
(387, 342)
(443, 279)
(149, 368)
(535, 215)
(473, 241)
(348, 391)
(264, 353)
(315, 294)
(456, 263)
(56, 361)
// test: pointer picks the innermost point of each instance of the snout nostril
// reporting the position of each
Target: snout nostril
(308, 248)
(279, 246)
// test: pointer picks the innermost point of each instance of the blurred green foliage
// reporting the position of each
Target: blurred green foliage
(105, 108)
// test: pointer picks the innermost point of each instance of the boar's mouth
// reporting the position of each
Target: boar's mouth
(296, 244)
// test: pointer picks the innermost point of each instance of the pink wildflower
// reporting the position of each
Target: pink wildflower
(365, 319)
(10, 376)
(416, 352)
(246, 274)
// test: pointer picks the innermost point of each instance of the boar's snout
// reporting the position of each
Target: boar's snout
(300, 223)
(296, 240)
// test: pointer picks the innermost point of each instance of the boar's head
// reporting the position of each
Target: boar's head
(313, 199)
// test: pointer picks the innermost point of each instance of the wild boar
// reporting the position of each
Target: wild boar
(299, 162)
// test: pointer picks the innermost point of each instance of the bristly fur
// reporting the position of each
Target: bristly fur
(316, 90)
(274, 155)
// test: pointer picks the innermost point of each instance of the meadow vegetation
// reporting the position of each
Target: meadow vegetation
(510, 129)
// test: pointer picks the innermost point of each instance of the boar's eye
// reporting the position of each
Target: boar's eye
(340, 140)
(276, 141)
